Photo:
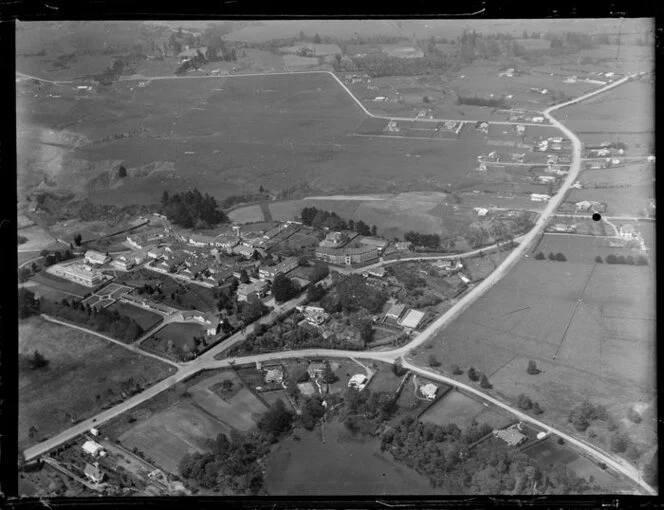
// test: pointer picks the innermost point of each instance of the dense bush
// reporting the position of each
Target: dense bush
(431, 241)
(32, 362)
(540, 256)
(192, 209)
(532, 368)
(27, 304)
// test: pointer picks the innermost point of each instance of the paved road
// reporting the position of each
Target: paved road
(207, 360)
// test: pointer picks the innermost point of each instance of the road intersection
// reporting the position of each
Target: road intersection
(207, 360)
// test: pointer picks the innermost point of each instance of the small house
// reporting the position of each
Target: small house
(274, 375)
(358, 381)
(511, 436)
(316, 369)
(428, 391)
(92, 448)
(93, 473)
(95, 257)
(395, 312)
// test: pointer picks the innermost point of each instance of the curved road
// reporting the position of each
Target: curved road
(207, 361)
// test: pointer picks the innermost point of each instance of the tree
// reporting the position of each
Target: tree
(456, 370)
(560, 257)
(599, 259)
(122, 172)
(328, 376)
(425, 99)
(611, 259)
(650, 471)
(27, 304)
(283, 288)
(317, 39)
(433, 362)
(532, 368)
(524, 402)
(641, 261)
(618, 443)
(634, 416)
(472, 374)
(374, 230)
(277, 420)
(244, 277)
(398, 369)
(227, 385)
(537, 409)
(33, 434)
(552, 256)
(320, 271)
(315, 293)
(484, 382)
(540, 256)
(77, 239)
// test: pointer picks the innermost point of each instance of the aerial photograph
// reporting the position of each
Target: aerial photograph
(307, 257)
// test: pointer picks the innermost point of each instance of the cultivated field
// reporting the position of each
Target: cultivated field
(641, 175)
(589, 327)
(579, 249)
(81, 367)
(169, 435)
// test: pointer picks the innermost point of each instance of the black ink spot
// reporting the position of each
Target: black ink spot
(597, 216)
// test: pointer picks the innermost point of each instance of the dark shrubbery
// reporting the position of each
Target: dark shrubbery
(192, 209)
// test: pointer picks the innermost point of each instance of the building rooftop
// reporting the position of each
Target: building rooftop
(412, 319)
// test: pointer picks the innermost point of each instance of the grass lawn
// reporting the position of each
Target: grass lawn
(578, 249)
(455, 407)
(145, 319)
(629, 201)
(81, 367)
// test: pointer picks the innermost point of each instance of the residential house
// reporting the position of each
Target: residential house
(93, 448)
(226, 242)
(481, 211)
(511, 436)
(358, 381)
(95, 257)
(539, 197)
(395, 312)
(274, 375)
(201, 240)
(154, 252)
(246, 290)
(314, 315)
(403, 245)
(245, 251)
(123, 263)
(378, 272)
(316, 369)
(428, 391)
(334, 240)
(94, 473)
(584, 205)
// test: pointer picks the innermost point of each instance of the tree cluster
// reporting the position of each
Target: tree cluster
(582, 415)
(313, 217)
(629, 260)
(103, 320)
(284, 289)
(483, 101)
(191, 209)
(559, 257)
(441, 452)
(352, 293)
(232, 467)
(33, 361)
(431, 241)
(27, 304)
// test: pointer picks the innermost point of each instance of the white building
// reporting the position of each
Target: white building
(358, 381)
(481, 211)
(411, 319)
(95, 257)
(395, 311)
(539, 197)
(428, 391)
(78, 273)
(92, 448)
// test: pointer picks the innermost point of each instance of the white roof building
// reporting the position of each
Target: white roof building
(428, 391)
(95, 257)
(92, 448)
(481, 211)
(411, 319)
(358, 381)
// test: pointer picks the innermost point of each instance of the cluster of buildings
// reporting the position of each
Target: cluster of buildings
(563, 227)
(407, 319)
(590, 206)
(552, 143)
(81, 273)
(313, 315)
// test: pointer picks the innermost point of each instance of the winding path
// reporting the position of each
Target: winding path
(207, 361)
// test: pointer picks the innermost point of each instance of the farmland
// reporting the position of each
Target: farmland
(187, 424)
(580, 249)
(455, 407)
(641, 175)
(81, 368)
(623, 201)
(589, 327)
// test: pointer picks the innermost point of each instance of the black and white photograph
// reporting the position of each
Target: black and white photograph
(336, 257)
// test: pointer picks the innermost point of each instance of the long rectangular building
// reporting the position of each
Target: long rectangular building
(79, 273)
(347, 256)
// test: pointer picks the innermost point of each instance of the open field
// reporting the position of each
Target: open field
(169, 435)
(589, 327)
(248, 214)
(145, 319)
(627, 108)
(49, 280)
(454, 407)
(641, 174)
(341, 465)
(627, 201)
(579, 249)
(38, 239)
(81, 367)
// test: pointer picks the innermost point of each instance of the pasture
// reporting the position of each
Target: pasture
(167, 436)
(589, 327)
(579, 249)
(455, 407)
(637, 174)
(250, 214)
(81, 368)
(37, 237)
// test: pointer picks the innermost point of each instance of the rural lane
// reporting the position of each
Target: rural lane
(207, 361)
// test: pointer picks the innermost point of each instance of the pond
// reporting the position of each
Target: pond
(342, 465)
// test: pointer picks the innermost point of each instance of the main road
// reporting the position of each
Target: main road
(207, 361)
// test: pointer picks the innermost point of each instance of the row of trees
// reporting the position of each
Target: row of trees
(621, 259)
(431, 241)
(313, 217)
(28, 305)
(552, 256)
(33, 361)
(191, 209)
(491, 102)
